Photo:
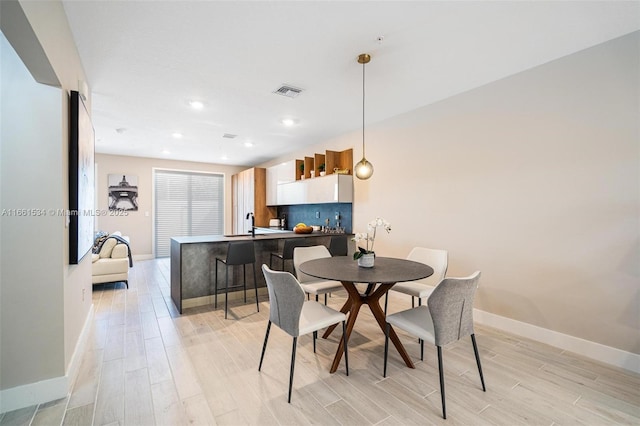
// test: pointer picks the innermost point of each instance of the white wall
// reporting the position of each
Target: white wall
(41, 333)
(31, 285)
(534, 180)
(136, 224)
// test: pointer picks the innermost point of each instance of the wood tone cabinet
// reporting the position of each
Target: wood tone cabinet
(331, 159)
(248, 195)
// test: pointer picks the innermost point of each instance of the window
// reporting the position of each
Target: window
(186, 204)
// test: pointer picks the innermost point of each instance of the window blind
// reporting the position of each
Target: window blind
(186, 204)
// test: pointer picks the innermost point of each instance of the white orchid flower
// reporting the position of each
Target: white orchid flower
(372, 226)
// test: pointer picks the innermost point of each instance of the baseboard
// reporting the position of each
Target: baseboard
(208, 300)
(143, 257)
(50, 389)
(607, 354)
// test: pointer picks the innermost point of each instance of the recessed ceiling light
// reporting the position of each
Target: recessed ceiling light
(288, 122)
(224, 158)
(166, 152)
(248, 144)
(196, 104)
(177, 135)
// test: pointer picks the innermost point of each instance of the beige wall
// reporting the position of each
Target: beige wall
(138, 225)
(534, 180)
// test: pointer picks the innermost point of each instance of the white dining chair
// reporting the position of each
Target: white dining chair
(447, 318)
(438, 260)
(289, 311)
(312, 285)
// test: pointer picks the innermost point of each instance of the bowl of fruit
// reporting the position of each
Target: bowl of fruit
(302, 228)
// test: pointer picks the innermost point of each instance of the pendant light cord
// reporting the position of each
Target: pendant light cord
(363, 64)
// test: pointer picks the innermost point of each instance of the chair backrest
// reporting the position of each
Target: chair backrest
(338, 245)
(240, 253)
(304, 254)
(451, 307)
(290, 244)
(286, 298)
(437, 259)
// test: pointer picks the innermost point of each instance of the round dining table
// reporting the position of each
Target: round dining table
(379, 279)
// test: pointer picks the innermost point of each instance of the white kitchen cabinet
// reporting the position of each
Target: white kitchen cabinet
(325, 189)
(277, 175)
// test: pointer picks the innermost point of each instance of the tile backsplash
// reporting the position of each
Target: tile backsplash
(317, 214)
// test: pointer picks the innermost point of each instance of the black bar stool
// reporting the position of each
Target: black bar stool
(287, 250)
(338, 245)
(238, 253)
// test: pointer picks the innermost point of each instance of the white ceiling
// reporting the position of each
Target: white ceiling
(145, 60)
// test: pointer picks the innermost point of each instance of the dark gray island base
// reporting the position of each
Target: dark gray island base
(193, 263)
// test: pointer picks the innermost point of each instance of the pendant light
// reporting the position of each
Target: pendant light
(363, 168)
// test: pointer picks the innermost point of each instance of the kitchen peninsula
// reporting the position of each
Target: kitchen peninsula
(193, 262)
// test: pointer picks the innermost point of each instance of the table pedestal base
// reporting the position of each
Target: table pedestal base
(352, 305)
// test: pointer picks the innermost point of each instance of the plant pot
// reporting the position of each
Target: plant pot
(323, 173)
(367, 260)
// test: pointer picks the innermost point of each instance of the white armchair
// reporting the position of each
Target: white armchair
(111, 264)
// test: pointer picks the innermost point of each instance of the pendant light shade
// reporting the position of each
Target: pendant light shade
(363, 168)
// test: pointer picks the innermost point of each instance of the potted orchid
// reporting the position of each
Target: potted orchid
(365, 255)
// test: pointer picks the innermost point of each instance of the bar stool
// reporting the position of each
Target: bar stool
(287, 250)
(238, 253)
(338, 245)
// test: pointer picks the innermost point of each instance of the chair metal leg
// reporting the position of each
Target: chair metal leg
(413, 302)
(226, 289)
(315, 336)
(475, 351)
(444, 408)
(264, 345)
(386, 348)
(293, 363)
(215, 288)
(316, 297)
(255, 286)
(344, 337)
(325, 299)
(244, 281)
(419, 301)
(386, 300)
(421, 349)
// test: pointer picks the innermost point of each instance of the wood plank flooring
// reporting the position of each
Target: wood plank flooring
(145, 364)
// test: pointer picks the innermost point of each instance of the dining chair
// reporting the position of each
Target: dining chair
(238, 253)
(313, 285)
(289, 311)
(287, 250)
(421, 289)
(447, 318)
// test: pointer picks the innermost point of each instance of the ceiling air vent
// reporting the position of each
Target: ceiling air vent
(229, 135)
(288, 91)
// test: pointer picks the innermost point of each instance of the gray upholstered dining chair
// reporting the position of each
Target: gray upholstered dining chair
(295, 316)
(447, 318)
(313, 285)
(438, 260)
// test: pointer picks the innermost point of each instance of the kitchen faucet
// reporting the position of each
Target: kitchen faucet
(253, 224)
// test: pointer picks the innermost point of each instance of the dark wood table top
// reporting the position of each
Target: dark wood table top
(387, 270)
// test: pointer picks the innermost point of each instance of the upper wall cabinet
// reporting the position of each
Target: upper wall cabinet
(326, 189)
(276, 175)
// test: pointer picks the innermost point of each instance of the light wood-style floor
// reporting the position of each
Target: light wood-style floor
(146, 365)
